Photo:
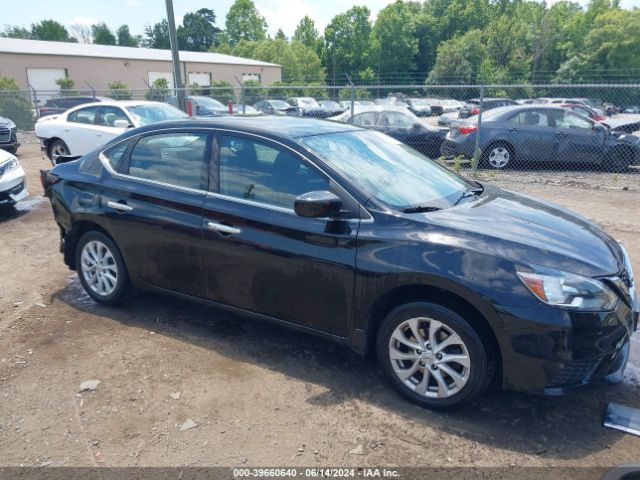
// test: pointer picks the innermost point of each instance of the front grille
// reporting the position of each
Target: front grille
(5, 133)
(576, 372)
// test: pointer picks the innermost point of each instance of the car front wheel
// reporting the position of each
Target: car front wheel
(56, 149)
(101, 269)
(433, 356)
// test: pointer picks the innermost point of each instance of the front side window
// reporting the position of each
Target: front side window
(84, 115)
(571, 120)
(264, 173)
(107, 116)
(175, 158)
(386, 169)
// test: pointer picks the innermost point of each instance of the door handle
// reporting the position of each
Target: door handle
(219, 227)
(123, 207)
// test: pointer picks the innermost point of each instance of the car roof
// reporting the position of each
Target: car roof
(273, 126)
(115, 103)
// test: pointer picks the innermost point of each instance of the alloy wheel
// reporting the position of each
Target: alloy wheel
(99, 268)
(499, 157)
(429, 357)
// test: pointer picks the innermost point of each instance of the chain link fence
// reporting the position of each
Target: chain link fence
(585, 127)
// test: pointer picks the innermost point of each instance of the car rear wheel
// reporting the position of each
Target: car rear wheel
(101, 269)
(57, 149)
(432, 355)
(498, 156)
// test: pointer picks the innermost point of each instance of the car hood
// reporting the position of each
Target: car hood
(527, 230)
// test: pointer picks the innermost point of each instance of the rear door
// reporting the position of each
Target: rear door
(154, 207)
(532, 134)
(262, 257)
(578, 141)
(79, 131)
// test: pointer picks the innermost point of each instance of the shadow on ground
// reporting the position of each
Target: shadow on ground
(562, 428)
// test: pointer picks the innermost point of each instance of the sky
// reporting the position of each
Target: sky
(283, 14)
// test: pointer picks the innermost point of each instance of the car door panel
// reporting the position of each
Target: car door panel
(532, 136)
(272, 261)
(577, 144)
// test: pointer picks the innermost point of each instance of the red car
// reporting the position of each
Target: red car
(586, 111)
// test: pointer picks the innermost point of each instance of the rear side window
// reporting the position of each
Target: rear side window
(176, 159)
(83, 115)
(117, 156)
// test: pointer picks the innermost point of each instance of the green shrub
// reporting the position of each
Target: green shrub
(119, 90)
(195, 89)
(222, 91)
(67, 87)
(15, 104)
(159, 90)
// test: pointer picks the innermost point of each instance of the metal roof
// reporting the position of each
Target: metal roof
(38, 47)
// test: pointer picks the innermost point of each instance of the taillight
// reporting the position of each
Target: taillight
(475, 111)
(467, 129)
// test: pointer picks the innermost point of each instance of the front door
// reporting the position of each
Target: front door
(262, 257)
(154, 207)
(578, 141)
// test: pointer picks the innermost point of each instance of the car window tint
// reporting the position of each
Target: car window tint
(116, 156)
(84, 115)
(259, 172)
(531, 118)
(108, 115)
(176, 159)
(571, 120)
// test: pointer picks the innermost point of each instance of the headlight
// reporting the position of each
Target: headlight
(568, 290)
(8, 165)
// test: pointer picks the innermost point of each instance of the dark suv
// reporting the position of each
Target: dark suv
(54, 106)
(349, 234)
(472, 106)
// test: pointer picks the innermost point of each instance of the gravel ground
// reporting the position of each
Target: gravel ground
(259, 395)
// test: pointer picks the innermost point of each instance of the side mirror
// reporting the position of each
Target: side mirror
(122, 124)
(318, 204)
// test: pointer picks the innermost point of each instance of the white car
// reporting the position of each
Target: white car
(82, 129)
(13, 184)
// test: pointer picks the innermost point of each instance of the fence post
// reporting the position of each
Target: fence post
(35, 100)
(353, 93)
(476, 152)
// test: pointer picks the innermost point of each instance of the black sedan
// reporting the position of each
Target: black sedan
(541, 134)
(347, 233)
(399, 123)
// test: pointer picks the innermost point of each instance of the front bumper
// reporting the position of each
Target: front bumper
(555, 351)
(13, 187)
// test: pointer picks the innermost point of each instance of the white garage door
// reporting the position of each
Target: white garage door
(43, 80)
(153, 76)
(202, 79)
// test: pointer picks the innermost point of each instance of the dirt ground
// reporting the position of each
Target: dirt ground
(259, 395)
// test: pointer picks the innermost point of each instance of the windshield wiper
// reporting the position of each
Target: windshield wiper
(420, 209)
(469, 192)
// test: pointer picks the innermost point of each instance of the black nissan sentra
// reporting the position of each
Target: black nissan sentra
(351, 235)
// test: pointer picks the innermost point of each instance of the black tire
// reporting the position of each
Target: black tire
(57, 148)
(122, 289)
(481, 363)
(618, 159)
(485, 159)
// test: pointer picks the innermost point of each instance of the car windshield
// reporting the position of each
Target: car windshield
(146, 114)
(210, 103)
(419, 102)
(308, 102)
(279, 104)
(387, 170)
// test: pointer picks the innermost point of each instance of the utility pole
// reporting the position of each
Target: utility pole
(175, 56)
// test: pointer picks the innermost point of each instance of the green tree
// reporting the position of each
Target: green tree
(119, 90)
(158, 91)
(14, 31)
(347, 43)
(15, 105)
(102, 34)
(67, 86)
(307, 34)
(125, 38)
(50, 30)
(157, 36)
(198, 32)
(244, 22)
(253, 92)
(195, 89)
(396, 37)
(280, 35)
